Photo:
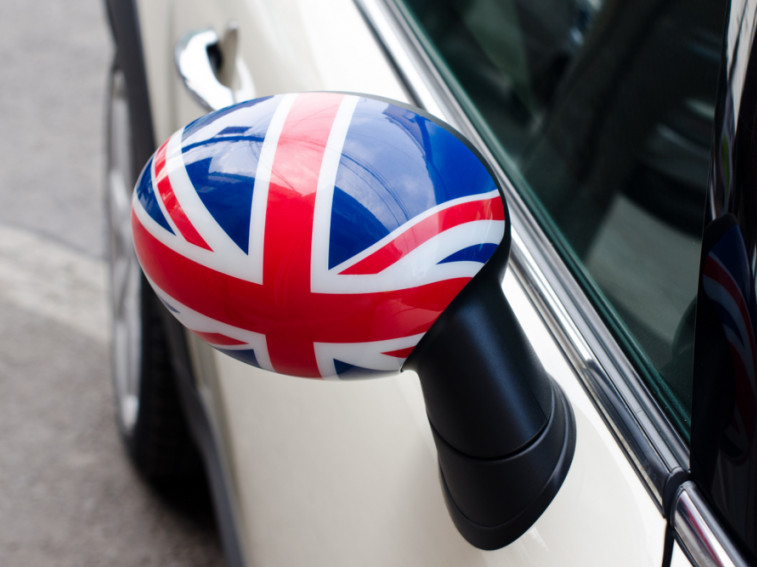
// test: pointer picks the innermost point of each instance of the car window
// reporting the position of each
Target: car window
(601, 112)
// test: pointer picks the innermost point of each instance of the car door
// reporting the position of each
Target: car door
(607, 210)
(603, 116)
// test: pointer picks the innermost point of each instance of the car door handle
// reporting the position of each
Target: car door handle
(211, 70)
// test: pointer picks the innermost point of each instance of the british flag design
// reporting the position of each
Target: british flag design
(727, 281)
(314, 234)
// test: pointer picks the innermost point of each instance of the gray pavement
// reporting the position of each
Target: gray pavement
(68, 496)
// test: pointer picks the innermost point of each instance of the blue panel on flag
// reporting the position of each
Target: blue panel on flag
(344, 243)
(246, 356)
(400, 141)
(208, 119)
(479, 253)
(207, 139)
(230, 206)
(345, 370)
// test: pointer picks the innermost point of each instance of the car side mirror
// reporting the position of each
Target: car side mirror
(337, 235)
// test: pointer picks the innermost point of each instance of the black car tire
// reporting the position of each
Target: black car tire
(148, 408)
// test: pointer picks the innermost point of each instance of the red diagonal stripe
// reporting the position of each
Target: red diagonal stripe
(176, 212)
(419, 233)
(401, 353)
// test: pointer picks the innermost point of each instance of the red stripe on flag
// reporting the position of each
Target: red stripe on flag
(218, 339)
(423, 231)
(165, 189)
(401, 353)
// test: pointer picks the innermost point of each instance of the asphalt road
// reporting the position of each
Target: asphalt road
(68, 496)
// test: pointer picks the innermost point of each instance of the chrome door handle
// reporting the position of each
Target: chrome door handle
(210, 69)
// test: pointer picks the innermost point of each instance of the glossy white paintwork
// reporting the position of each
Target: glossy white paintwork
(679, 558)
(332, 474)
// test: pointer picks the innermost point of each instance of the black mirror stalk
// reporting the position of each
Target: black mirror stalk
(504, 431)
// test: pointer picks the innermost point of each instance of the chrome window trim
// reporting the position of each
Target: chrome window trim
(653, 446)
(699, 533)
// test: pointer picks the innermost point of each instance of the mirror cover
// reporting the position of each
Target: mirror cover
(316, 234)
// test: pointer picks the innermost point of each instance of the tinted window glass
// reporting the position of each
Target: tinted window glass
(602, 114)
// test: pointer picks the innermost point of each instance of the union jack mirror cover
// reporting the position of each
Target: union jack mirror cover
(317, 234)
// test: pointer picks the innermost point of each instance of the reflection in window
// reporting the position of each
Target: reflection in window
(603, 114)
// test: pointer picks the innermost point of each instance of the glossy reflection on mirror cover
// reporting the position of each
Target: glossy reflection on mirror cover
(724, 416)
(316, 234)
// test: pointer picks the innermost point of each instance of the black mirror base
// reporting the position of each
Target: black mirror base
(493, 502)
